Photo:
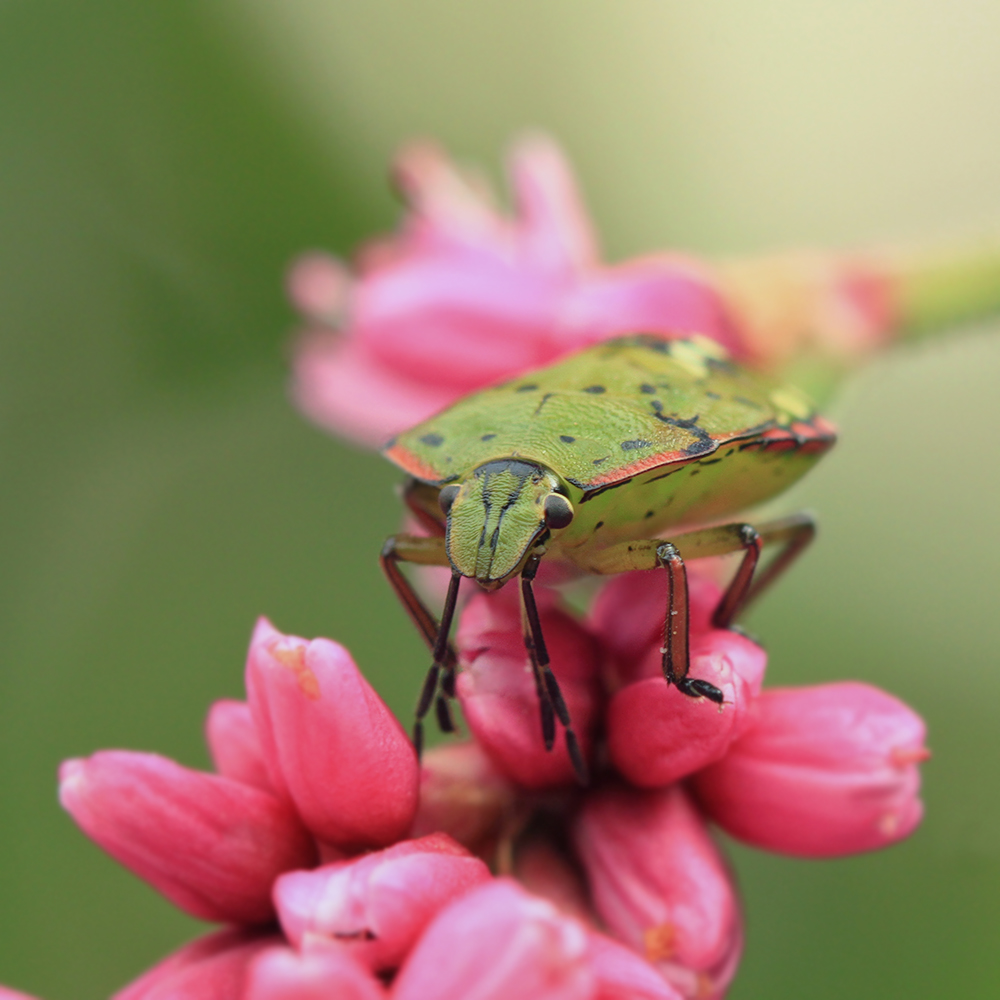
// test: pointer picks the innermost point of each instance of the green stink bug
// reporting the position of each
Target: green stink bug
(607, 460)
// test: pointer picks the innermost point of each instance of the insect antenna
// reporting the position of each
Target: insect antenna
(442, 661)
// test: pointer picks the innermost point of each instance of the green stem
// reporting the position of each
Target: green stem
(936, 291)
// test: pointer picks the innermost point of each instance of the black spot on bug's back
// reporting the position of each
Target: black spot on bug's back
(699, 447)
(713, 395)
(487, 437)
(656, 405)
(566, 439)
(432, 440)
(743, 401)
(723, 365)
(655, 344)
(650, 390)
(648, 513)
(633, 445)
(600, 524)
(526, 388)
(596, 390)
(598, 461)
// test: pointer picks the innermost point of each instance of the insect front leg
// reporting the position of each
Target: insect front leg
(655, 553)
(426, 552)
(550, 698)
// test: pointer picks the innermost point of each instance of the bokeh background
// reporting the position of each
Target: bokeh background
(159, 165)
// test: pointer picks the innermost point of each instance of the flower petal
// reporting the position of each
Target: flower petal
(660, 886)
(282, 974)
(376, 906)
(511, 945)
(213, 967)
(623, 975)
(211, 845)
(235, 745)
(823, 771)
(461, 794)
(330, 742)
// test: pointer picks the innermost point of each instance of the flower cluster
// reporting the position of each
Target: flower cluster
(464, 296)
(345, 868)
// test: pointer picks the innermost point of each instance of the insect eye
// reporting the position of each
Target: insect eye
(447, 497)
(558, 511)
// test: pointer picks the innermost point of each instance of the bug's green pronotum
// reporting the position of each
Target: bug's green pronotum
(608, 460)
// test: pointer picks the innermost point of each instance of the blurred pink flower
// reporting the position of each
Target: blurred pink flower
(332, 974)
(213, 967)
(6, 993)
(465, 296)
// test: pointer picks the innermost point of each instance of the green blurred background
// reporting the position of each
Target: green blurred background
(161, 162)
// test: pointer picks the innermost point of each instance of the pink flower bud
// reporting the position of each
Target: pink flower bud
(622, 975)
(461, 794)
(660, 886)
(656, 735)
(213, 967)
(496, 943)
(377, 905)
(628, 615)
(235, 745)
(282, 974)
(318, 286)
(6, 993)
(211, 845)
(822, 771)
(497, 688)
(330, 742)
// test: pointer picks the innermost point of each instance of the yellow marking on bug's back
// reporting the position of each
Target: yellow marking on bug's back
(294, 658)
(791, 402)
(688, 355)
(710, 348)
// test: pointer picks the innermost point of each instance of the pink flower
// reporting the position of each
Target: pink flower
(332, 974)
(213, 967)
(462, 794)
(6, 993)
(316, 761)
(513, 944)
(330, 743)
(660, 885)
(465, 296)
(211, 845)
(823, 771)
(376, 905)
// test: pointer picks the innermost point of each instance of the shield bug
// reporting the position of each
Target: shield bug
(611, 460)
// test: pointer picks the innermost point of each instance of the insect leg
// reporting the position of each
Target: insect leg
(426, 552)
(550, 696)
(676, 628)
(794, 533)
